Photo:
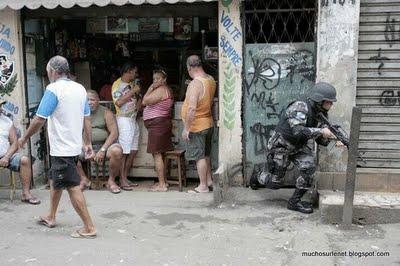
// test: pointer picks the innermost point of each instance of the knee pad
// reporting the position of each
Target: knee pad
(307, 168)
(303, 182)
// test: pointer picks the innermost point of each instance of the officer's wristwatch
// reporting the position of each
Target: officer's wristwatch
(103, 149)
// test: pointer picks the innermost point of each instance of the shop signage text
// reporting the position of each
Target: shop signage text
(4, 43)
(234, 36)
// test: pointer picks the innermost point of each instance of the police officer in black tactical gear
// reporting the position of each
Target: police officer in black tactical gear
(293, 141)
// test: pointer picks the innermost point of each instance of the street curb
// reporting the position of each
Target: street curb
(368, 208)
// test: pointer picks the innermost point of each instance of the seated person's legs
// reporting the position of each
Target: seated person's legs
(85, 182)
(114, 154)
(22, 164)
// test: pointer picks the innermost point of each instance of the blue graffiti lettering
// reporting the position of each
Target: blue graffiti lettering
(230, 51)
(11, 108)
(7, 46)
(227, 23)
(4, 30)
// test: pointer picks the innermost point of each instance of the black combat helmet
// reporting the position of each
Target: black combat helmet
(323, 91)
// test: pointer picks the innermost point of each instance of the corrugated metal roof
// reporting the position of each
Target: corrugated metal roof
(50, 4)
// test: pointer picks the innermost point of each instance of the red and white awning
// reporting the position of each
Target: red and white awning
(50, 4)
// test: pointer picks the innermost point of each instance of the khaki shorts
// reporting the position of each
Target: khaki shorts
(199, 144)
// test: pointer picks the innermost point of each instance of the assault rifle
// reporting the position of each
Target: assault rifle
(339, 133)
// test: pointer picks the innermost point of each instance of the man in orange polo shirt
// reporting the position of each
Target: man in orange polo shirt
(198, 121)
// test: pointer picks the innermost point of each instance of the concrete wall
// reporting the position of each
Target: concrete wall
(337, 53)
(12, 87)
(230, 41)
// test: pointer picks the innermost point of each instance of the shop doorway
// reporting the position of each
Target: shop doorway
(279, 66)
(97, 41)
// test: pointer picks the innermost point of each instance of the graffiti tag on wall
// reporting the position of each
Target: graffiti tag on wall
(268, 72)
(389, 98)
(261, 133)
(274, 76)
(392, 30)
(302, 63)
(379, 59)
(340, 2)
(392, 35)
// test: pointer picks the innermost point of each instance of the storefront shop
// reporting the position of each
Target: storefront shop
(98, 37)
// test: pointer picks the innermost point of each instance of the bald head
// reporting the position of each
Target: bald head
(93, 99)
(194, 66)
(193, 61)
(93, 92)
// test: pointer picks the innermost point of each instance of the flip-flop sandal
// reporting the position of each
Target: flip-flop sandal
(157, 189)
(46, 223)
(78, 234)
(114, 189)
(157, 184)
(130, 184)
(195, 191)
(126, 188)
(32, 200)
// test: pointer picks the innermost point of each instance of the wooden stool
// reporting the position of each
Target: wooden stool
(12, 184)
(98, 174)
(179, 157)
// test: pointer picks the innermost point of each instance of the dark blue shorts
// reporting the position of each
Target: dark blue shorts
(63, 172)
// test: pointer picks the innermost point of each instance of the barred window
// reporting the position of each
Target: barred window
(280, 21)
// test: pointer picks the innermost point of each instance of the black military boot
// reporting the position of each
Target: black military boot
(254, 184)
(295, 203)
(306, 204)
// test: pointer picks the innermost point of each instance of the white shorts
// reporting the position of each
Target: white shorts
(128, 134)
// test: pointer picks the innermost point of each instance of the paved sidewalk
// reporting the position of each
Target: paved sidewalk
(175, 228)
(368, 207)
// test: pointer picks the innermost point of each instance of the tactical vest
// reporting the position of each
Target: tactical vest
(284, 128)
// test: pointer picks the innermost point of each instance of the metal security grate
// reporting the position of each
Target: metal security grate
(280, 21)
(378, 79)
